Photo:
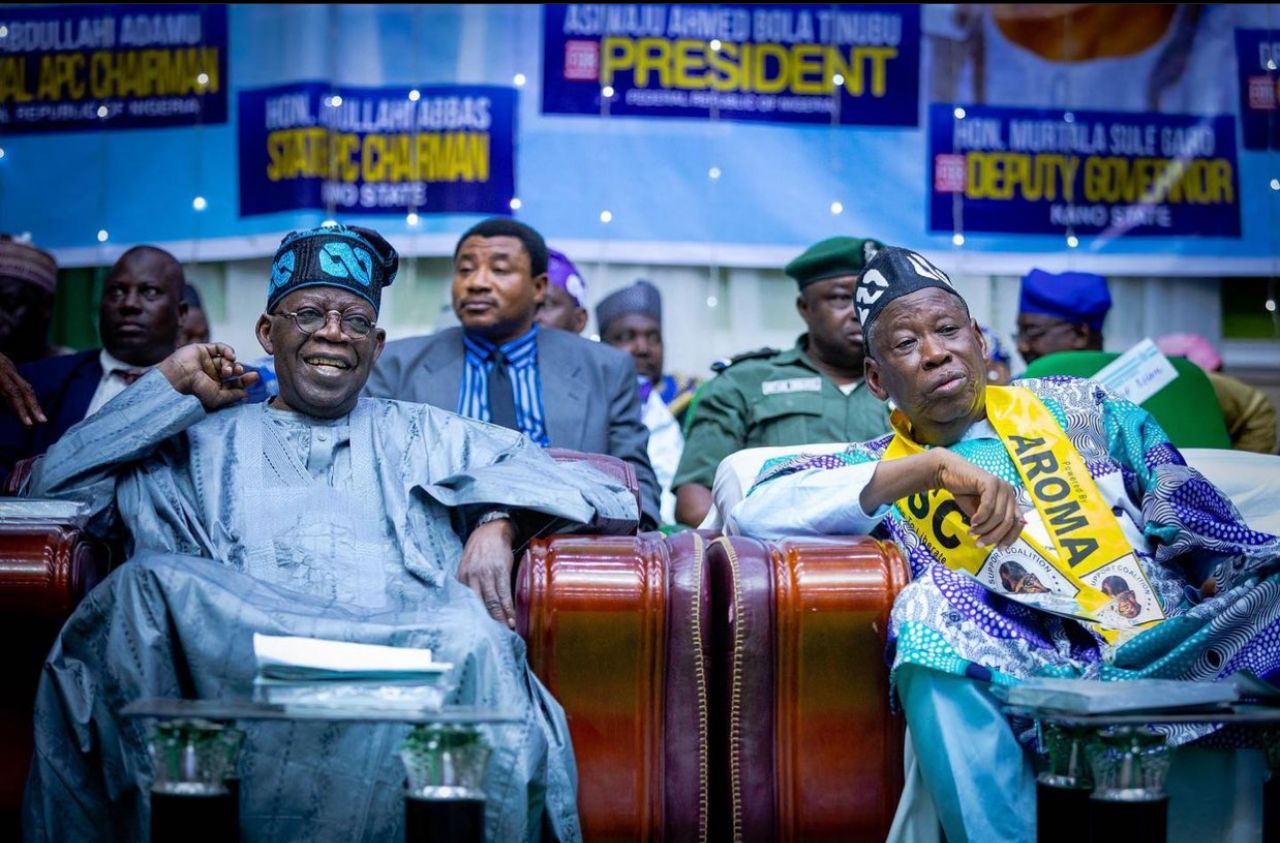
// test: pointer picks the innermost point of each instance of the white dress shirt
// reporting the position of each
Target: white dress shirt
(112, 384)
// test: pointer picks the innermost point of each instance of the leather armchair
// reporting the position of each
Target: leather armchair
(720, 688)
(46, 567)
(812, 750)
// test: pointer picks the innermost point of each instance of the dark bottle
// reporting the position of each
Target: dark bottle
(1130, 766)
(431, 817)
(1062, 790)
(193, 813)
(445, 766)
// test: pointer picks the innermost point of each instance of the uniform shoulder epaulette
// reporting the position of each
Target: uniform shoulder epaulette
(759, 354)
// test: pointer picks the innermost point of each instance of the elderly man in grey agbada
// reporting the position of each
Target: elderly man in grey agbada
(317, 514)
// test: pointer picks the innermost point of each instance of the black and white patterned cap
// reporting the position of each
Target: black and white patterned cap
(894, 272)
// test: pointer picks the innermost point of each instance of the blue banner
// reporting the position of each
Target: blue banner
(1257, 59)
(435, 150)
(65, 68)
(1030, 171)
(742, 192)
(843, 65)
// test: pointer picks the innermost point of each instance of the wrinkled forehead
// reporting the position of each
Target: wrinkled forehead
(839, 284)
(929, 303)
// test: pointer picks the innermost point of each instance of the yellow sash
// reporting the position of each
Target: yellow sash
(1088, 544)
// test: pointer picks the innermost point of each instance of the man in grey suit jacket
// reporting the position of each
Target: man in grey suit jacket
(560, 389)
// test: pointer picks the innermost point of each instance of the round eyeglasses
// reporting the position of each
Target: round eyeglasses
(311, 319)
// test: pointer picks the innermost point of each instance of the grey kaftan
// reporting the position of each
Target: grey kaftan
(256, 520)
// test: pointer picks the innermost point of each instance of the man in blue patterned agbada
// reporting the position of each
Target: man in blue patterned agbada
(318, 514)
(1051, 530)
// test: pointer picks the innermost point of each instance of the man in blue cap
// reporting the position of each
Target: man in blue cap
(319, 514)
(1061, 312)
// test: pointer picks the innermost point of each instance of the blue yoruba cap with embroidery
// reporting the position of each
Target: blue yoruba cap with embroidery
(346, 256)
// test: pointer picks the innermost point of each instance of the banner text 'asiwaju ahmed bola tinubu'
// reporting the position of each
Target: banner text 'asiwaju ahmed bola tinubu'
(842, 64)
(448, 149)
(66, 68)
(1029, 171)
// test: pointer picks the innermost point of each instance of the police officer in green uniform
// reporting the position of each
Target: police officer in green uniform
(808, 394)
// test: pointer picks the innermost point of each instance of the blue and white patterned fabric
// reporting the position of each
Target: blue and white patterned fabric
(1181, 527)
(526, 383)
(356, 259)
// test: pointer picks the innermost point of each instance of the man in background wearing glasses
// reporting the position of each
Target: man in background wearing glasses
(318, 514)
(1061, 312)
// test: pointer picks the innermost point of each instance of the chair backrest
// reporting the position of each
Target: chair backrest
(46, 566)
(17, 476)
(1187, 408)
(613, 468)
(618, 629)
(1251, 481)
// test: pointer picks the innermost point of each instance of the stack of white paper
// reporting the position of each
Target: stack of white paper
(341, 674)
